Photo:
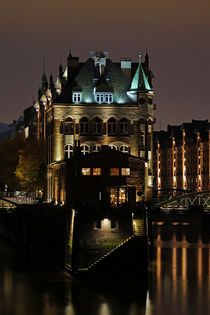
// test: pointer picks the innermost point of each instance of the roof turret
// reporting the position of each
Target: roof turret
(36, 106)
(140, 82)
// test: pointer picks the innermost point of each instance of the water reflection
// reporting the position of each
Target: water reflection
(178, 283)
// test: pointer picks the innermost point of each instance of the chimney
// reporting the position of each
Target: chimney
(72, 64)
(125, 64)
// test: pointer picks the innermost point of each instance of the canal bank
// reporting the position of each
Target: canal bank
(179, 278)
(88, 244)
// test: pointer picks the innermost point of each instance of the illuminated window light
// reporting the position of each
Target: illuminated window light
(125, 171)
(96, 171)
(86, 171)
(114, 171)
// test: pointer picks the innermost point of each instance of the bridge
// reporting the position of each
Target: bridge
(6, 205)
(185, 201)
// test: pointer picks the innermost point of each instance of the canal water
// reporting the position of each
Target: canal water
(179, 280)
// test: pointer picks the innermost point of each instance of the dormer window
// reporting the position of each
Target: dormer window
(100, 98)
(104, 98)
(77, 97)
(109, 98)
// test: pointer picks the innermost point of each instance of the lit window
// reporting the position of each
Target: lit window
(113, 197)
(100, 98)
(97, 126)
(68, 151)
(77, 97)
(84, 126)
(149, 128)
(124, 148)
(109, 98)
(113, 147)
(68, 126)
(96, 171)
(95, 148)
(124, 127)
(125, 171)
(118, 195)
(112, 127)
(86, 171)
(142, 154)
(114, 171)
(85, 149)
(122, 195)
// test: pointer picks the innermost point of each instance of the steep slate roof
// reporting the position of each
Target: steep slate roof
(117, 82)
(103, 86)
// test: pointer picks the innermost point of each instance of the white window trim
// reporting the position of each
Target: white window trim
(97, 148)
(69, 149)
(109, 98)
(77, 97)
(85, 149)
(122, 148)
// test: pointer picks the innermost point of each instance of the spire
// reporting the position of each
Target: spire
(146, 64)
(44, 79)
(60, 70)
(140, 82)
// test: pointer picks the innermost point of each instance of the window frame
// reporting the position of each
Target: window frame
(76, 97)
(69, 150)
(68, 126)
(111, 171)
(122, 147)
(124, 127)
(97, 146)
(100, 98)
(108, 98)
(84, 126)
(112, 127)
(97, 126)
(85, 149)
(88, 169)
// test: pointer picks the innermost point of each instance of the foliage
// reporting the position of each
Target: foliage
(31, 169)
(9, 152)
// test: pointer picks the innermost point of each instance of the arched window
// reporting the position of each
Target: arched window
(112, 127)
(97, 126)
(84, 126)
(124, 148)
(68, 126)
(85, 149)
(124, 127)
(68, 151)
(96, 148)
(113, 147)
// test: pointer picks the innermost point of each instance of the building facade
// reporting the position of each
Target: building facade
(100, 102)
(107, 178)
(182, 157)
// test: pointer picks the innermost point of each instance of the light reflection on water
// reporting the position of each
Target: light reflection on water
(179, 281)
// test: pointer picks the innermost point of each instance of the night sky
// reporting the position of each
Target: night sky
(176, 34)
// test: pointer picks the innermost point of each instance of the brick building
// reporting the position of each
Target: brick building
(182, 157)
(100, 102)
(105, 178)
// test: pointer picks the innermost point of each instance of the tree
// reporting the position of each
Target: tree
(31, 169)
(9, 149)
